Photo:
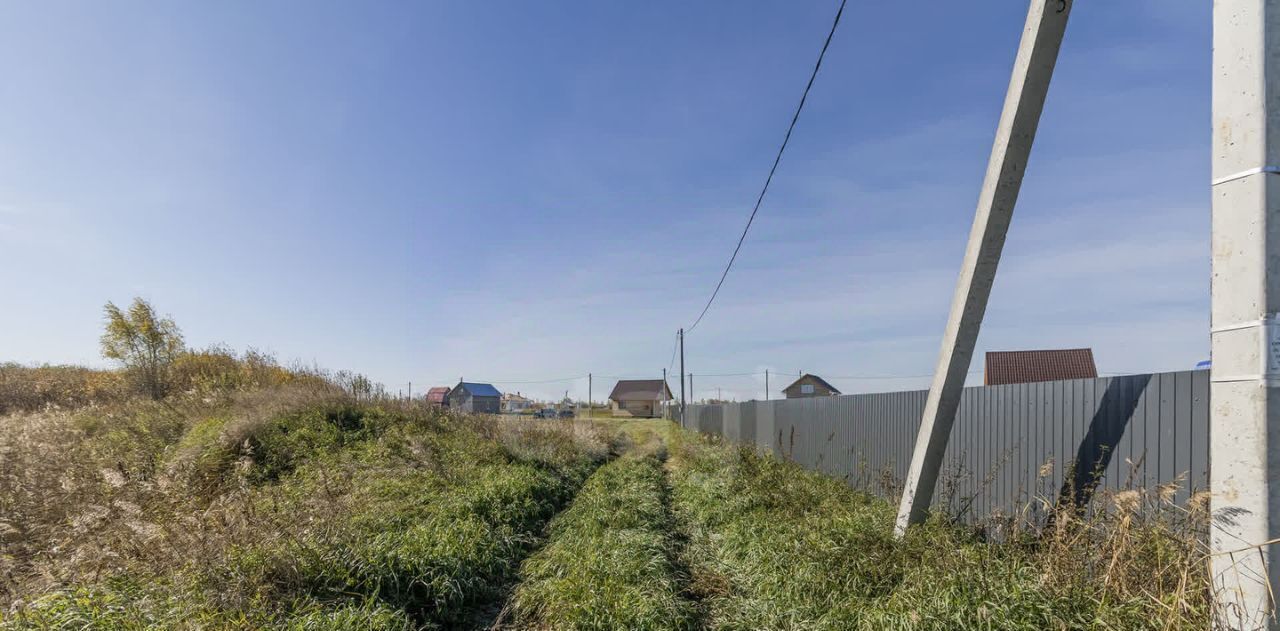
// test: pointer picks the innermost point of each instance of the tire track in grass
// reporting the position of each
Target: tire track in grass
(438, 547)
(690, 589)
(609, 561)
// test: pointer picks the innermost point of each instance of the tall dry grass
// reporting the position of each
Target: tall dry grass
(30, 388)
(772, 546)
(249, 509)
(80, 490)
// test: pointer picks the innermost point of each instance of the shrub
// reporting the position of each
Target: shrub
(145, 343)
(218, 370)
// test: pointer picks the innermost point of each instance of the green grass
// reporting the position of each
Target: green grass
(775, 547)
(609, 561)
(303, 509)
(332, 515)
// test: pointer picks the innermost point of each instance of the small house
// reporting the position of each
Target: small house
(809, 386)
(481, 398)
(514, 403)
(1005, 367)
(438, 395)
(639, 397)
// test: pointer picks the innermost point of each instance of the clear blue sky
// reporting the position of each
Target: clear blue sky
(519, 190)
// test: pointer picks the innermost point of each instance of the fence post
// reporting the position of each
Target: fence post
(1032, 70)
(1244, 413)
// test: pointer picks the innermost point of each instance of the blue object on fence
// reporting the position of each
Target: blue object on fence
(1203, 365)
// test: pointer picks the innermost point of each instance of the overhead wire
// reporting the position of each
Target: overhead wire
(772, 170)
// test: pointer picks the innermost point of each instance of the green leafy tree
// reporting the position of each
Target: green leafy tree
(144, 342)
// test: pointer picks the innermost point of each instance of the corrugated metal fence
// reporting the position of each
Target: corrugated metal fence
(1010, 444)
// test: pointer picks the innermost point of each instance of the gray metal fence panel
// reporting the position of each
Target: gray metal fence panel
(1011, 445)
(731, 421)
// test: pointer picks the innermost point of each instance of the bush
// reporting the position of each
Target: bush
(218, 370)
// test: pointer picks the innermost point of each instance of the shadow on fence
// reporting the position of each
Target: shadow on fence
(1097, 448)
(1015, 451)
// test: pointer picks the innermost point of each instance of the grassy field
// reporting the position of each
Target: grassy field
(302, 508)
(277, 510)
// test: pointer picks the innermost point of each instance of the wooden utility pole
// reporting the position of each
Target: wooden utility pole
(766, 384)
(1244, 333)
(1032, 70)
(662, 394)
(681, 336)
(590, 411)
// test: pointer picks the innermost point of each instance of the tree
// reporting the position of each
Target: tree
(145, 343)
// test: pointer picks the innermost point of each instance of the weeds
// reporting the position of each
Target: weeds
(304, 508)
(295, 508)
(775, 547)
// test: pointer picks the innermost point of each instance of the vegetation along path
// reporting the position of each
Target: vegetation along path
(281, 509)
(609, 561)
(303, 506)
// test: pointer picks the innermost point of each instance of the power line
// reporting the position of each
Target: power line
(732, 374)
(566, 379)
(520, 382)
(674, 347)
(874, 377)
(795, 117)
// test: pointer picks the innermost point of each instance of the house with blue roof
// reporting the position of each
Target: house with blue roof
(481, 398)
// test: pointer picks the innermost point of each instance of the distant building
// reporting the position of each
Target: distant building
(809, 386)
(639, 397)
(515, 403)
(1005, 367)
(438, 395)
(481, 398)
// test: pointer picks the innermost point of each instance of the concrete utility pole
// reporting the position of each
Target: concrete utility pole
(589, 404)
(662, 394)
(766, 384)
(1244, 390)
(681, 377)
(1032, 69)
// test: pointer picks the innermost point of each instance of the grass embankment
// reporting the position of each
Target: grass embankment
(608, 564)
(278, 511)
(775, 547)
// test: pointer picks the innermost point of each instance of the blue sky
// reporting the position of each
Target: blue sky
(518, 191)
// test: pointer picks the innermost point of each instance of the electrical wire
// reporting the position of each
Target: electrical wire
(520, 382)
(777, 159)
(875, 377)
(674, 347)
(566, 379)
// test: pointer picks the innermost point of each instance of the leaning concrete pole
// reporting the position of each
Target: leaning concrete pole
(1244, 390)
(1032, 69)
